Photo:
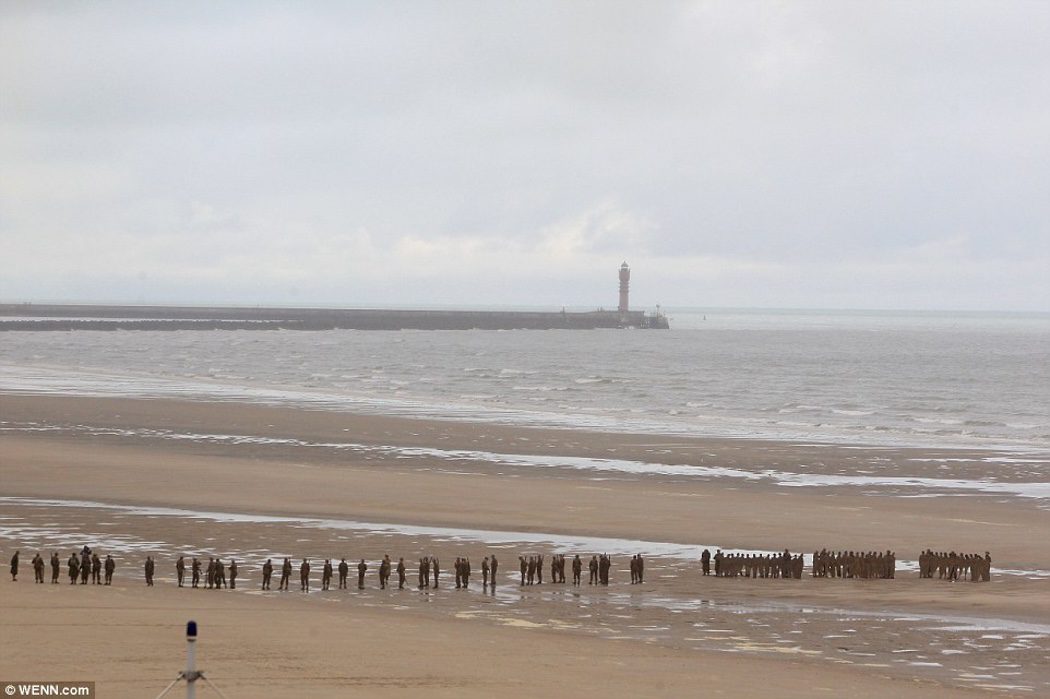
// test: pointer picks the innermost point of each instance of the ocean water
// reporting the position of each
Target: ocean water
(869, 378)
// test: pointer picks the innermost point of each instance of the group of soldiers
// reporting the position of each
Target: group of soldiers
(531, 568)
(214, 574)
(954, 566)
(738, 565)
(826, 564)
(83, 566)
(849, 564)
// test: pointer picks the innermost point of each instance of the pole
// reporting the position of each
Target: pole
(191, 660)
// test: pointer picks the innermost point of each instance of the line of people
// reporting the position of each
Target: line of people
(753, 565)
(88, 565)
(80, 567)
(954, 566)
(849, 564)
(215, 575)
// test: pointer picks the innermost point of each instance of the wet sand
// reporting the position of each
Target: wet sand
(76, 469)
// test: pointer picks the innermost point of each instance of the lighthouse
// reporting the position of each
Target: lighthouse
(625, 282)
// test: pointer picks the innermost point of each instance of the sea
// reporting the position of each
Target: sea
(856, 377)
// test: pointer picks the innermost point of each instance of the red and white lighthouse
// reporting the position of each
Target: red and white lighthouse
(625, 282)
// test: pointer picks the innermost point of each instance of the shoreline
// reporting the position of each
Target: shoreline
(20, 380)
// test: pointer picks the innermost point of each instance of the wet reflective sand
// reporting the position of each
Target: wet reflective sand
(674, 607)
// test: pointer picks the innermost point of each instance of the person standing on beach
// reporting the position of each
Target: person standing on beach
(286, 574)
(85, 565)
(304, 576)
(267, 572)
(74, 569)
(485, 573)
(494, 565)
(149, 571)
(38, 569)
(344, 570)
(592, 567)
(14, 567)
(384, 571)
(577, 570)
(96, 569)
(56, 566)
(233, 574)
(524, 568)
(209, 574)
(705, 562)
(361, 568)
(326, 574)
(180, 569)
(195, 572)
(401, 574)
(111, 565)
(435, 569)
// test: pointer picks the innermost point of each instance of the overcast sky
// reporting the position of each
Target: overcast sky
(829, 155)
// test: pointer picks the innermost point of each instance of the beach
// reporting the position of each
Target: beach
(165, 477)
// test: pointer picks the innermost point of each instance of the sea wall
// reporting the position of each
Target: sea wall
(76, 317)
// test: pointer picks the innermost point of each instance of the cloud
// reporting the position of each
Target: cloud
(758, 153)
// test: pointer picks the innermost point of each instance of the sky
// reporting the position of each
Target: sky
(884, 155)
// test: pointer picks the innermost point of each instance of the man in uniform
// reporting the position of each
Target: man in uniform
(344, 570)
(85, 565)
(485, 573)
(111, 565)
(593, 568)
(180, 569)
(304, 576)
(434, 569)
(38, 569)
(56, 565)
(233, 574)
(286, 574)
(267, 572)
(149, 571)
(74, 569)
(705, 562)
(195, 572)
(96, 569)
(577, 570)
(524, 568)
(14, 567)
(326, 574)
(401, 573)
(494, 567)
(361, 568)
(384, 571)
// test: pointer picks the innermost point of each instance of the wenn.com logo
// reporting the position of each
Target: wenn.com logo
(49, 689)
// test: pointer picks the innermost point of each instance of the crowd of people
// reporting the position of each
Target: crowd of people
(215, 575)
(82, 567)
(849, 564)
(953, 566)
(753, 565)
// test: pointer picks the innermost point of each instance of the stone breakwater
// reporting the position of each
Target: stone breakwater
(76, 317)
